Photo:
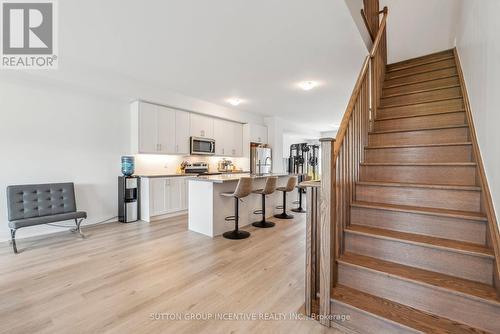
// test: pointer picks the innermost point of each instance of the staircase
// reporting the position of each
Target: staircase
(416, 254)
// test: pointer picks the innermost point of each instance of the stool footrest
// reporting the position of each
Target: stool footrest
(279, 207)
(257, 212)
(230, 218)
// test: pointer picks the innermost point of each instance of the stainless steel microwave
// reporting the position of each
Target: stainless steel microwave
(202, 146)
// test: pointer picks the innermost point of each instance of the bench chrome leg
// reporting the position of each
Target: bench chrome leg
(13, 239)
(78, 229)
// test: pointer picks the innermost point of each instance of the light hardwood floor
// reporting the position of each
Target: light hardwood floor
(121, 274)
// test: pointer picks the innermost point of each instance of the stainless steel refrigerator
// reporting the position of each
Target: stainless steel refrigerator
(260, 159)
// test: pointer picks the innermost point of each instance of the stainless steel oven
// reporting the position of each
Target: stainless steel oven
(202, 146)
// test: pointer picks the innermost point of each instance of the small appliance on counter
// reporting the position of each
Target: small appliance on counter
(260, 159)
(128, 199)
(225, 166)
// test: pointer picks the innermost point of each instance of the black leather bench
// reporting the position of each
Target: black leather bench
(36, 204)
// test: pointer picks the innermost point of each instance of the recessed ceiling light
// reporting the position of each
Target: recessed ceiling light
(308, 85)
(234, 101)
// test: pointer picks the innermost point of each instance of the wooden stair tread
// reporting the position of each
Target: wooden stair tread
(417, 115)
(422, 210)
(419, 185)
(420, 91)
(387, 84)
(420, 129)
(475, 290)
(392, 69)
(449, 164)
(417, 145)
(406, 75)
(437, 56)
(424, 240)
(398, 105)
(398, 313)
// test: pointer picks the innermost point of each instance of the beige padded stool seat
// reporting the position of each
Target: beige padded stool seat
(290, 186)
(243, 189)
(269, 188)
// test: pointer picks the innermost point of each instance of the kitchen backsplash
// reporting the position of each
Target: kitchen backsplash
(151, 164)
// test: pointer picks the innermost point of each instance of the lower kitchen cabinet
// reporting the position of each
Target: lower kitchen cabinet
(163, 196)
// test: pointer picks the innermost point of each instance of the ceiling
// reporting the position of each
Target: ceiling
(213, 50)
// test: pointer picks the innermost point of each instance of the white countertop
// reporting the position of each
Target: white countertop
(233, 177)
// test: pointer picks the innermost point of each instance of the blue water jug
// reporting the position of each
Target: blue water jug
(128, 165)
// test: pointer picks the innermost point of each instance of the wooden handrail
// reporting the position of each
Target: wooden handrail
(339, 138)
(380, 34)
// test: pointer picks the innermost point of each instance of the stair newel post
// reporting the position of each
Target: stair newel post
(327, 229)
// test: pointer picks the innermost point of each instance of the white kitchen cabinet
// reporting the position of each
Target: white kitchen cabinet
(228, 138)
(163, 196)
(258, 134)
(201, 126)
(158, 129)
(182, 120)
(237, 140)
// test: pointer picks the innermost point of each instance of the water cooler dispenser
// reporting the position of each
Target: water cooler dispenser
(128, 199)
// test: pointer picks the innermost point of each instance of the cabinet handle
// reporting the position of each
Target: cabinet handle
(177, 148)
(202, 133)
(259, 139)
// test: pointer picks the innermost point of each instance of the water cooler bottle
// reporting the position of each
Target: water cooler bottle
(128, 199)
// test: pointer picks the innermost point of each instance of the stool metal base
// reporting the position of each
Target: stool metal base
(283, 216)
(236, 235)
(263, 224)
(299, 210)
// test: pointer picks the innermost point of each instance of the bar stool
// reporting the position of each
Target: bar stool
(302, 190)
(269, 188)
(243, 189)
(290, 186)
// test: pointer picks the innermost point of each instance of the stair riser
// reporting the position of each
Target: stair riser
(420, 154)
(447, 175)
(417, 87)
(441, 94)
(437, 136)
(421, 77)
(434, 226)
(443, 64)
(464, 200)
(421, 122)
(420, 60)
(362, 322)
(439, 260)
(443, 303)
(422, 109)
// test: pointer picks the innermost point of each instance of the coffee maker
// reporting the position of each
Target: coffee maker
(128, 199)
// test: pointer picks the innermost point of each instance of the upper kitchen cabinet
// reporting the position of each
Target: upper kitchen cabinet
(159, 130)
(202, 126)
(258, 133)
(228, 138)
(182, 126)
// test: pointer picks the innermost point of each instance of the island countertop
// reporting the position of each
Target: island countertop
(233, 177)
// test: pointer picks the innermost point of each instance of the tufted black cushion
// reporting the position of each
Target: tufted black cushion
(40, 200)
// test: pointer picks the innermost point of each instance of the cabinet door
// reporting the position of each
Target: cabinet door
(237, 142)
(181, 132)
(258, 134)
(166, 130)
(148, 128)
(222, 140)
(175, 194)
(158, 199)
(202, 126)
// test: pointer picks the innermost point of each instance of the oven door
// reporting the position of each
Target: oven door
(202, 146)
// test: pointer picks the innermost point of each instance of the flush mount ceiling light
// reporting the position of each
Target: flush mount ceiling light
(234, 101)
(307, 85)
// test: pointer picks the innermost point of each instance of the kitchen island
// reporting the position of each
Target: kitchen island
(207, 208)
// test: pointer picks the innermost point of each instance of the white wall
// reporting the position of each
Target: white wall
(55, 135)
(478, 45)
